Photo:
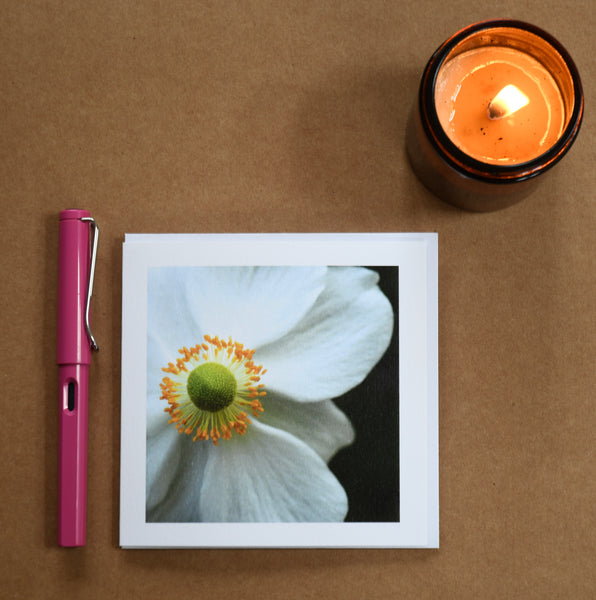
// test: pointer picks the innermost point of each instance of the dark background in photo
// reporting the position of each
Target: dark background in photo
(369, 468)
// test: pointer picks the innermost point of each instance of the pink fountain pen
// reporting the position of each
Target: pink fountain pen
(76, 269)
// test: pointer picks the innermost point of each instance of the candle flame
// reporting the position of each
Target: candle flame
(509, 100)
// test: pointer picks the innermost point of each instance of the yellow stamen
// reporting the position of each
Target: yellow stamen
(204, 424)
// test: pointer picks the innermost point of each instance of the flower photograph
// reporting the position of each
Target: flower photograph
(272, 394)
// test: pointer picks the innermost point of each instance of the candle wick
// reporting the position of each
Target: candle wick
(497, 110)
(506, 102)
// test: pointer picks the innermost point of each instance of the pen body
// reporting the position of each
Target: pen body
(73, 357)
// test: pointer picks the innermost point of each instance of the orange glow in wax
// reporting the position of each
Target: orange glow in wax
(466, 86)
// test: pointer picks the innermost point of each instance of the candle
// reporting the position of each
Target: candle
(500, 103)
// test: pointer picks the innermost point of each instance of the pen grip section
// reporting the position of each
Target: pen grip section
(72, 460)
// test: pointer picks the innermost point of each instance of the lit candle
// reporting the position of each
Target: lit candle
(500, 103)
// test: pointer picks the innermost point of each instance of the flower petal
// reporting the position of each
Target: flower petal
(337, 343)
(163, 457)
(175, 467)
(171, 320)
(269, 476)
(321, 425)
(253, 305)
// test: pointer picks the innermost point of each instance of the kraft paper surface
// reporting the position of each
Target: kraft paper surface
(290, 116)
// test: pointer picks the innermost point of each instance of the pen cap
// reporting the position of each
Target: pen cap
(74, 263)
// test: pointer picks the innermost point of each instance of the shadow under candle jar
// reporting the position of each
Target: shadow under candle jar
(499, 104)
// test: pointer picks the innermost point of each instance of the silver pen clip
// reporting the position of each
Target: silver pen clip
(90, 220)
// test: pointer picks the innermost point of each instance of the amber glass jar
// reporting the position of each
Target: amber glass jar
(446, 167)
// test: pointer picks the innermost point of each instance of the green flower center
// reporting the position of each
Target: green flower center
(211, 387)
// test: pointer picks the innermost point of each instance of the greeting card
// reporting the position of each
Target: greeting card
(279, 390)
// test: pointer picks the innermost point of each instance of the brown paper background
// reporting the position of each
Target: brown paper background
(289, 116)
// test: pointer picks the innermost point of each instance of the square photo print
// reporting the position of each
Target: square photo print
(274, 392)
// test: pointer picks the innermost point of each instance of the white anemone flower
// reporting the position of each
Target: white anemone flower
(243, 364)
